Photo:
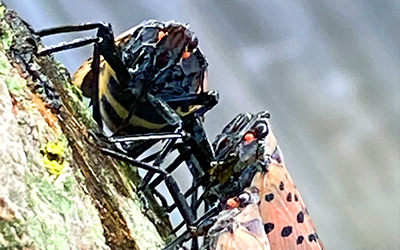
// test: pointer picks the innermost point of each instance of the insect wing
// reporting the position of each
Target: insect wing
(239, 229)
(285, 217)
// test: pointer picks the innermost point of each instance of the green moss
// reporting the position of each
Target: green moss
(84, 113)
(14, 84)
(4, 65)
(13, 234)
(56, 213)
(2, 10)
(6, 36)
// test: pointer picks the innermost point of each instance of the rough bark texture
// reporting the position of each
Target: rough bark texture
(57, 191)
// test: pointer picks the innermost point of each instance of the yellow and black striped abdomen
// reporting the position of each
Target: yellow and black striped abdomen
(115, 101)
(164, 54)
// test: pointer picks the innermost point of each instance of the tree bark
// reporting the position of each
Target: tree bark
(57, 191)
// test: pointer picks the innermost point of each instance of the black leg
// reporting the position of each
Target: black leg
(146, 137)
(160, 158)
(195, 202)
(68, 45)
(174, 165)
(166, 112)
(199, 227)
(195, 243)
(69, 28)
(104, 40)
(94, 85)
(179, 200)
(151, 157)
(133, 161)
(209, 99)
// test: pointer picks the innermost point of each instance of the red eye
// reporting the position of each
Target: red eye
(232, 203)
(249, 137)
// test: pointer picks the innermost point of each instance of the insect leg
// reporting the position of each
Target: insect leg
(160, 158)
(69, 28)
(170, 182)
(172, 186)
(72, 44)
(208, 99)
(104, 38)
(198, 143)
(146, 137)
(132, 161)
(68, 45)
(171, 167)
(179, 200)
(166, 112)
(199, 227)
(94, 85)
(195, 243)
(103, 45)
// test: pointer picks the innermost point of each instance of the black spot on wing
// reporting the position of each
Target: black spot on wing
(281, 186)
(286, 231)
(296, 198)
(300, 217)
(269, 197)
(289, 197)
(312, 238)
(299, 240)
(268, 227)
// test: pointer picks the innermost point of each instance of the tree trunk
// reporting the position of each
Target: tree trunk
(57, 191)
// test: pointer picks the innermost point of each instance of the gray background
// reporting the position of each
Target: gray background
(328, 71)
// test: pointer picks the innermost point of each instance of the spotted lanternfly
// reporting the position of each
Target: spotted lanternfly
(239, 227)
(285, 218)
(164, 60)
(149, 86)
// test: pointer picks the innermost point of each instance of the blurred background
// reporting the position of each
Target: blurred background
(329, 73)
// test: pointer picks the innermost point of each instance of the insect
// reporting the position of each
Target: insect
(249, 141)
(148, 86)
(144, 80)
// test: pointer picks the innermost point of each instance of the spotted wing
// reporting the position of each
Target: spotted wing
(285, 217)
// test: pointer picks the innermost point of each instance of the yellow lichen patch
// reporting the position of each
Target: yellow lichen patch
(54, 157)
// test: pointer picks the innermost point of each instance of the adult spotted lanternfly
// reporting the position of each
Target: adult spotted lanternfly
(148, 86)
(144, 80)
(251, 147)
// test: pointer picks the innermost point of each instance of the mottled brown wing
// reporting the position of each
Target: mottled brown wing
(285, 217)
(240, 239)
(239, 229)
